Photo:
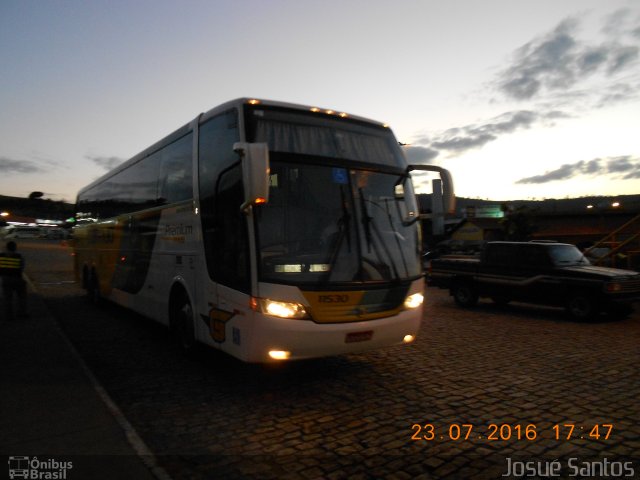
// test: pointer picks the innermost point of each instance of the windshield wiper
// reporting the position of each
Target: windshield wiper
(397, 235)
(367, 223)
(345, 220)
(344, 229)
(366, 219)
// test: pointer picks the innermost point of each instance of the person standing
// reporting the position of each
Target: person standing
(13, 285)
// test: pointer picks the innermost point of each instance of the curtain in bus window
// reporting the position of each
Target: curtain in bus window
(324, 141)
(290, 138)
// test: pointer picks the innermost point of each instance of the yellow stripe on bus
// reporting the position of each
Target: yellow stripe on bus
(343, 306)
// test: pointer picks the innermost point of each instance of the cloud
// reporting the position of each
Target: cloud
(9, 166)
(419, 155)
(622, 22)
(621, 57)
(468, 140)
(562, 76)
(459, 140)
(105, 162)
(623, 167)
(473, 136)
(541, 63)
(559, 61)
(618, 93)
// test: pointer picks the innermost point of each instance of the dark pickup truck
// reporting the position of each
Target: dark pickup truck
(537, 272)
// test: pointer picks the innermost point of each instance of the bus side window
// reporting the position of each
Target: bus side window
(176, 171)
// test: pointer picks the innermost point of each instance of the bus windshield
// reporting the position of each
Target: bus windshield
(325, 225)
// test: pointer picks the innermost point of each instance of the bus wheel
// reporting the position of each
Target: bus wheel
(182, 323)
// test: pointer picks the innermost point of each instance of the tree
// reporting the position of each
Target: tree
(34, 195)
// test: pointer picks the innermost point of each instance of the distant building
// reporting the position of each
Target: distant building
(478, 230)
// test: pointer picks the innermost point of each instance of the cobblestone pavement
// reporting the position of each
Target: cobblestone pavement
(478, 389)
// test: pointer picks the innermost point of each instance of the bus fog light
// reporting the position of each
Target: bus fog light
(279, 354)
(414, 301)
(408, 338)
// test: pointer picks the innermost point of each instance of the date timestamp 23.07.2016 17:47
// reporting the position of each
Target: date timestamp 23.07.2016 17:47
(507, 432)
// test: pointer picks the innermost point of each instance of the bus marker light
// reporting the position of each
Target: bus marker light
(253, 304)
(408, 339)
(279, 354)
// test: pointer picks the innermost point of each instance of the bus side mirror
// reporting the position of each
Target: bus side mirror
(448, 195)
(255, 172)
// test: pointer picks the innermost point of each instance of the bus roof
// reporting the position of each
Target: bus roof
(292, 106)
(215, 111)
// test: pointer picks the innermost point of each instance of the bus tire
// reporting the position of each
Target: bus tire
(181, 322)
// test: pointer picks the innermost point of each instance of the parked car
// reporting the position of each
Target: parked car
(54, 233)
(15, 232)
(543, 273)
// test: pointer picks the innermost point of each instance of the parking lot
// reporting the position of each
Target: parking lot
(478, 395)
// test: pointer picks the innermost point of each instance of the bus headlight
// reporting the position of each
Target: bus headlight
(414, 301)
(279, 309)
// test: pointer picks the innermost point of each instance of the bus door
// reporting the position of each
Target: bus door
(226, 245)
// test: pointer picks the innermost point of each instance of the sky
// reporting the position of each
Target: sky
(525, 99)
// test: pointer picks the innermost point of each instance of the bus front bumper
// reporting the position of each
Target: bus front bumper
(276, 339)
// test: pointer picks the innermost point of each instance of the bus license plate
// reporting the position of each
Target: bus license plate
(358, 336)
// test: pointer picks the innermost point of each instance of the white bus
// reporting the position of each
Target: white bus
(267, 230)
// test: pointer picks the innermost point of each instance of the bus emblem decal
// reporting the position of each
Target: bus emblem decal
(216, 321)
